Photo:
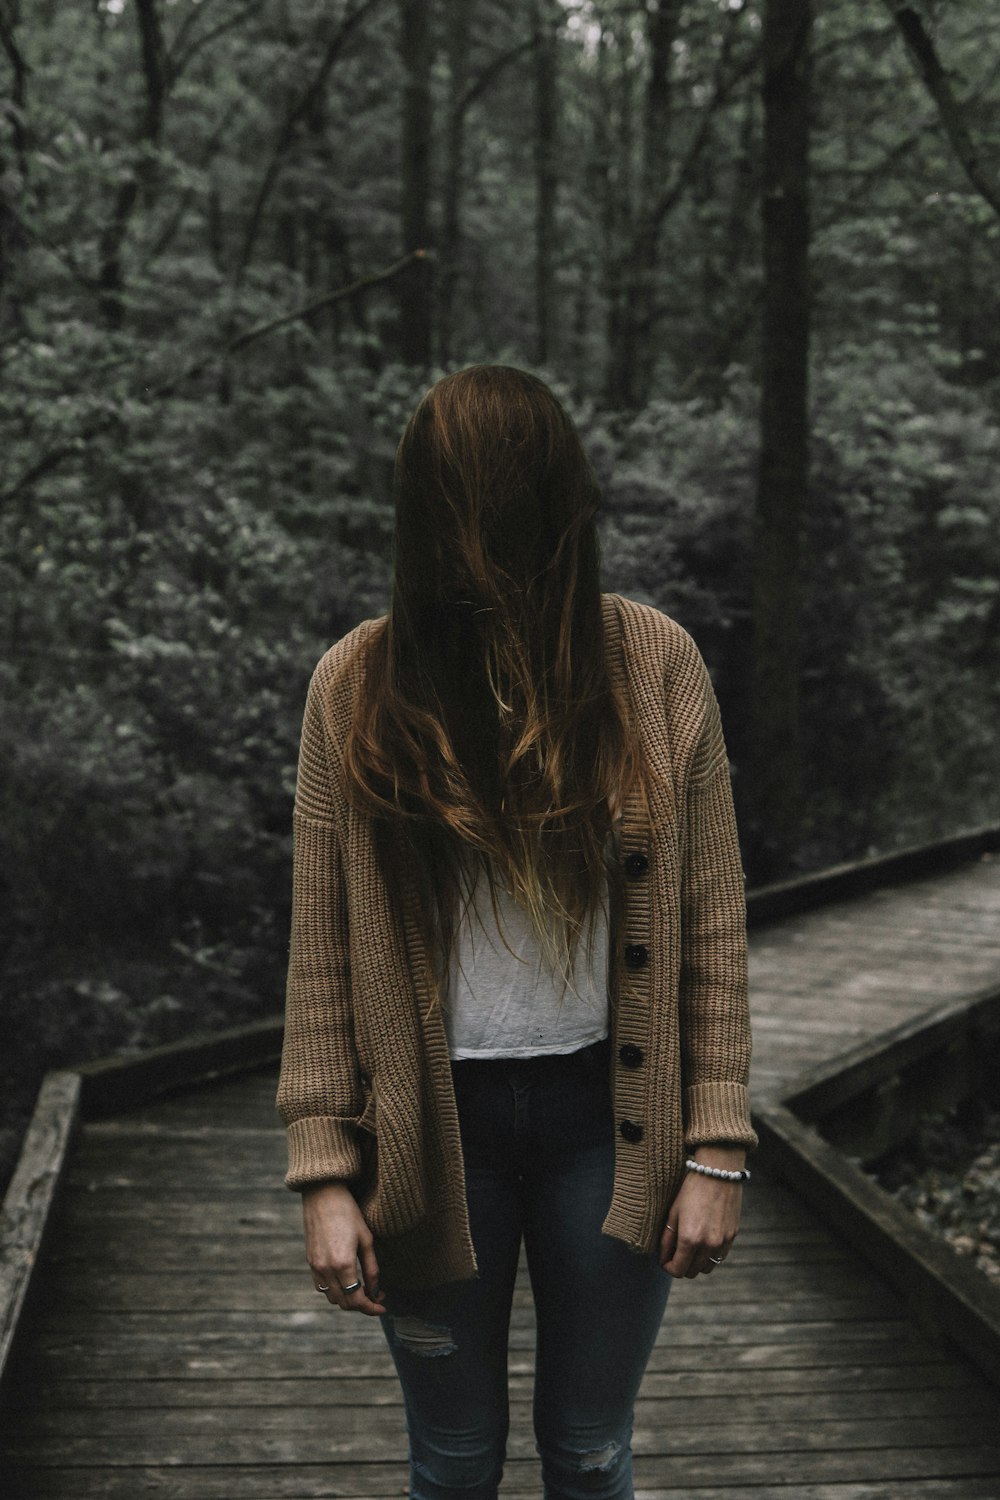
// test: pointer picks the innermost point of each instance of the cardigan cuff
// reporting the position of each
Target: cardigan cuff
(718, 1111)
(322, 1147)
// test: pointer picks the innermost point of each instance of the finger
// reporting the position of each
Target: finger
(668, 1242)
(370, 1273)
(359, 1301)
(356, 1299)
(710, 1260)
(680, 1263)
(325, 1282)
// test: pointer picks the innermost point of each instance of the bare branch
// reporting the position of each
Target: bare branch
(261, 330)
(178, 59)
(723, 84)
(109, 420)
(298, 111)
(477, 88)
(951, 112)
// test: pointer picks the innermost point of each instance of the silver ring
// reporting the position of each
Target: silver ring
(347, 1290)
(716, 1262)
(322, 1289)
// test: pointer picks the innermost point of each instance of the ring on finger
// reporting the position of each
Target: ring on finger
(347, 1290)
(716, 1260)
(322, 1288)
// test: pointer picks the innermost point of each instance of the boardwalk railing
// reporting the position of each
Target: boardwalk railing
(819, 1137)
(770, 903)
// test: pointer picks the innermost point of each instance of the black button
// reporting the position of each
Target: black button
(636, 866)
(636, 955)
(630, 1055)
(630, 1130)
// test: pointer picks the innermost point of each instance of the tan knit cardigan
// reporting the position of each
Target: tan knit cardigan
(366, 1090)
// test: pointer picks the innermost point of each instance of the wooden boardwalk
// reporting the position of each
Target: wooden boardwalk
(178, 1349)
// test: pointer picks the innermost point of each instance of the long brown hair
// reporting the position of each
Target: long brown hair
(488, 734)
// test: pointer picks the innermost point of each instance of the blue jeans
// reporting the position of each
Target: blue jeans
(538, 1142)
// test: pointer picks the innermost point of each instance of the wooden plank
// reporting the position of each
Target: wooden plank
(114, 1083)
(350, 1433)
(902, 1383)
(940, 1412)
(293, 1293)
(825, 1350)
(313, 1321)
(27, 1206)
(779, 900)
(672, 1476)
(285, 1251)
(242, 1100)
(186, 1484)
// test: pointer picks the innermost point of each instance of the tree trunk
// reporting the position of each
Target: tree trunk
(545, 31)
(13, 240)
(459, 15)
(783, 467)
(630, 356)
(614, 159)
(111, 276)
(415, 284)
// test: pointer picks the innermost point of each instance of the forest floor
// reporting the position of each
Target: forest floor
(948, 1176)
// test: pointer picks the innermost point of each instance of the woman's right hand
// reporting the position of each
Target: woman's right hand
(337, 1240)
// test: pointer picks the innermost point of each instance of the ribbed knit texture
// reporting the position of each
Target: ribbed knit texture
(365, 1088)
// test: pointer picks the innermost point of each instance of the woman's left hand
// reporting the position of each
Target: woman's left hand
(703, 1220)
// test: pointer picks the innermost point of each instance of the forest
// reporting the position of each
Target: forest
(752, 244)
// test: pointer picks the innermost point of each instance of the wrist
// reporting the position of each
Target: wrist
(330, 1185)
(721, 1174)
(720, 1154)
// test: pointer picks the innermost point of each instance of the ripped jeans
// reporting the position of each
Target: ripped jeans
(538, 1142)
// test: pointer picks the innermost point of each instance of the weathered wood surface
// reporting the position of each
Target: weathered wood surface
(27, 1205)
(178, 1347)
(827, 980)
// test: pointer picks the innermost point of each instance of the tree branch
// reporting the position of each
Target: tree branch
(178, 58)
(935, 79)
(722, 87)
(109, 420)
(299, 109)
(489, 74)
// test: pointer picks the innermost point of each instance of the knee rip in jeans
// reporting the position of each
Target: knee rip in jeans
(601, 1459)
(429, 1340)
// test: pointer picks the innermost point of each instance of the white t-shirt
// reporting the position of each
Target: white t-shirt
(503, 1001)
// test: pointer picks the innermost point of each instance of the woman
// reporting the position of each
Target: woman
(517, 985)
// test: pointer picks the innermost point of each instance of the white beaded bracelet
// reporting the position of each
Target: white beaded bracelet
(742, 1175)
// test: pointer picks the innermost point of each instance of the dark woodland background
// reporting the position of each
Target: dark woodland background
(671, 211)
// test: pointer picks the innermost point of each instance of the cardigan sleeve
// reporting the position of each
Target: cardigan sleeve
(320, 1090)
(714, 1013)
